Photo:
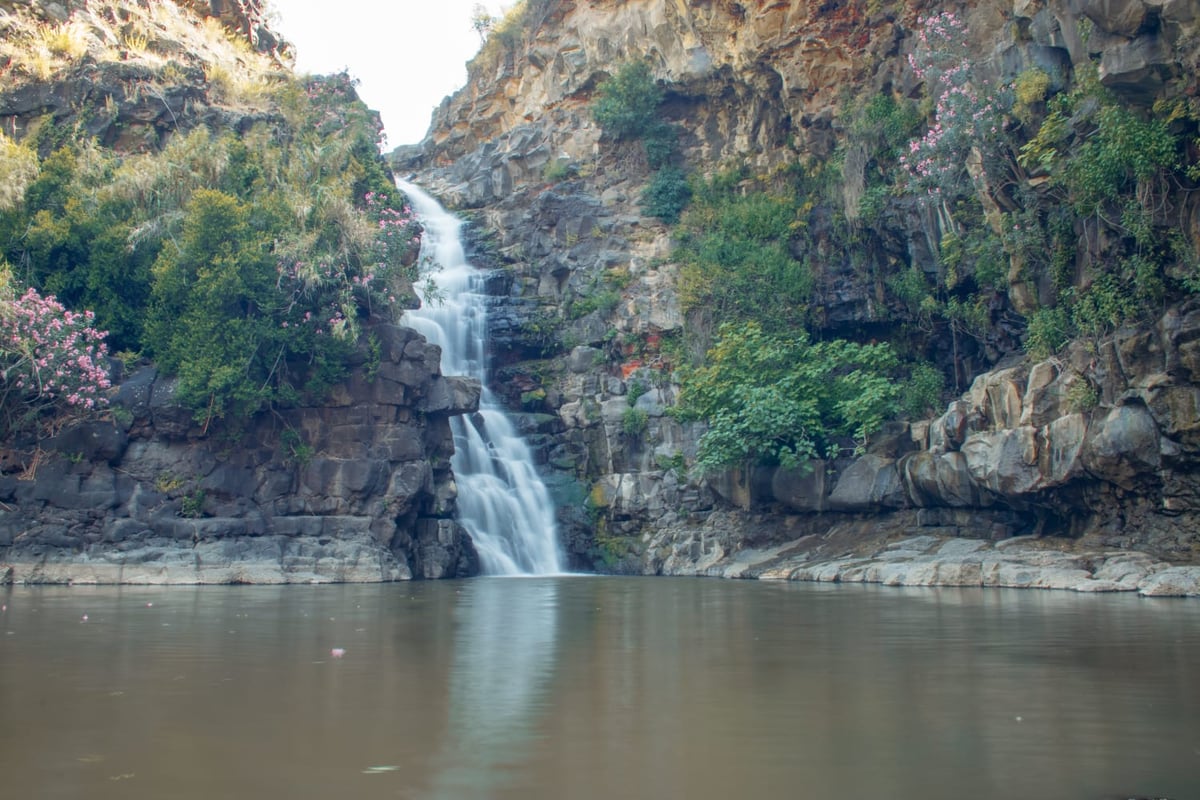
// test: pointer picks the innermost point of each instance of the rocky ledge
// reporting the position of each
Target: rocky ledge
(356, 489)
(892, 551)
(1011, 564)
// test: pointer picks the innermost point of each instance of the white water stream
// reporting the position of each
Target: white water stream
(502, 502)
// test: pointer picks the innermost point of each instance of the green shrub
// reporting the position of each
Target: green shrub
(1048, 330)
(667, 195)
(245, 265)
(736, 259)
(626, 104)
(782, 399)
(922, 391)
(634, 422)
(636, 389)
(556, 170)
(1082, 396)
(661, 141)
(1122, 152)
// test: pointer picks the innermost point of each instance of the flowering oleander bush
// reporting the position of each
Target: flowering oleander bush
(968, 110)
(245, 264)
(51, 359)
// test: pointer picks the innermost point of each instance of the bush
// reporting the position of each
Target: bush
(634, 422)
(1121, 153)
(735, 251)
(783, 399)
(923, 390)
(1047, 331)
(52, 360)
(245, 265)
(667, 195)
(627, 103)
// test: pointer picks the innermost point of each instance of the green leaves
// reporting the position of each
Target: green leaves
(782, 399)
(245, 263)
(1122, 152)
(210, 312)
(627, 102)
(736, 257)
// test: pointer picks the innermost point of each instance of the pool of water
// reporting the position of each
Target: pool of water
(584, 687)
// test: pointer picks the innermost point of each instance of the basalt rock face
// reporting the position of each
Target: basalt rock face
(1097, 445)
(121, 98)
(246, 18)
(357, 489)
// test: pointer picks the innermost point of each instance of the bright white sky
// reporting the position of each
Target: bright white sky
(407, 54)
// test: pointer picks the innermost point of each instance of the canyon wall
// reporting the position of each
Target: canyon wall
(1094, 446)
(357, 489)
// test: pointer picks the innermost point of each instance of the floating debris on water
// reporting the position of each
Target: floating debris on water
(379, 770)
(337, 652)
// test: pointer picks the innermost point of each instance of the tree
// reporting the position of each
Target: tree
(627, 103)
(482, 22)
(783, 399)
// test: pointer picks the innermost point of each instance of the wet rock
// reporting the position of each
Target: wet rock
(444, 550)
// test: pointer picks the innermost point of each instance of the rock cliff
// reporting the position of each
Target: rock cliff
(1092, 447)
(358, 489)
(355, 489)
(353, 484)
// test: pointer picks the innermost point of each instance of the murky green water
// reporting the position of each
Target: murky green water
(596, 688)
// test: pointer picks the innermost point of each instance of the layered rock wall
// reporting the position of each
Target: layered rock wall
(585, 289)
(358, 489)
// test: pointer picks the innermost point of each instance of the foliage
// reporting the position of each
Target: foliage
(192, 504)
(667, 195)
(1029, 89)
(634, 422)
(782, 399)
(51, 359)
(18, 167)
(736, 259)
(245, 264)
(966, 108)
(1082, 396)
(481, 21)
(1049, 329)
(636, 389)
(886, 125)
(626, 104)
(922, 392)
(1124, 152)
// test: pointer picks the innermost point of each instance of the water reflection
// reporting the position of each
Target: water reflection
(505, 633)
(595, 688)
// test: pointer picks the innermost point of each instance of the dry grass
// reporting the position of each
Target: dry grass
(160, 35)
(18, 168)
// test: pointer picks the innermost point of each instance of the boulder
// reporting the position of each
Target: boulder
(1060, 450)
(802, 488)
(95, 440)
(1137, 69)
(453, 395)
(869, 483)
(1123, 446)
(1121, 17)
(1004, 461)
(942, 479)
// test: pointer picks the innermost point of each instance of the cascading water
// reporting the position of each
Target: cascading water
(502, 502)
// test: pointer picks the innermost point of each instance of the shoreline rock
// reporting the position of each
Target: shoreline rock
(1026, 562)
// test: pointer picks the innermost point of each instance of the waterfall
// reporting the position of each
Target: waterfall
(502, 502)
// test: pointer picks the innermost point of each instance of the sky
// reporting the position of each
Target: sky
(406, 54)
